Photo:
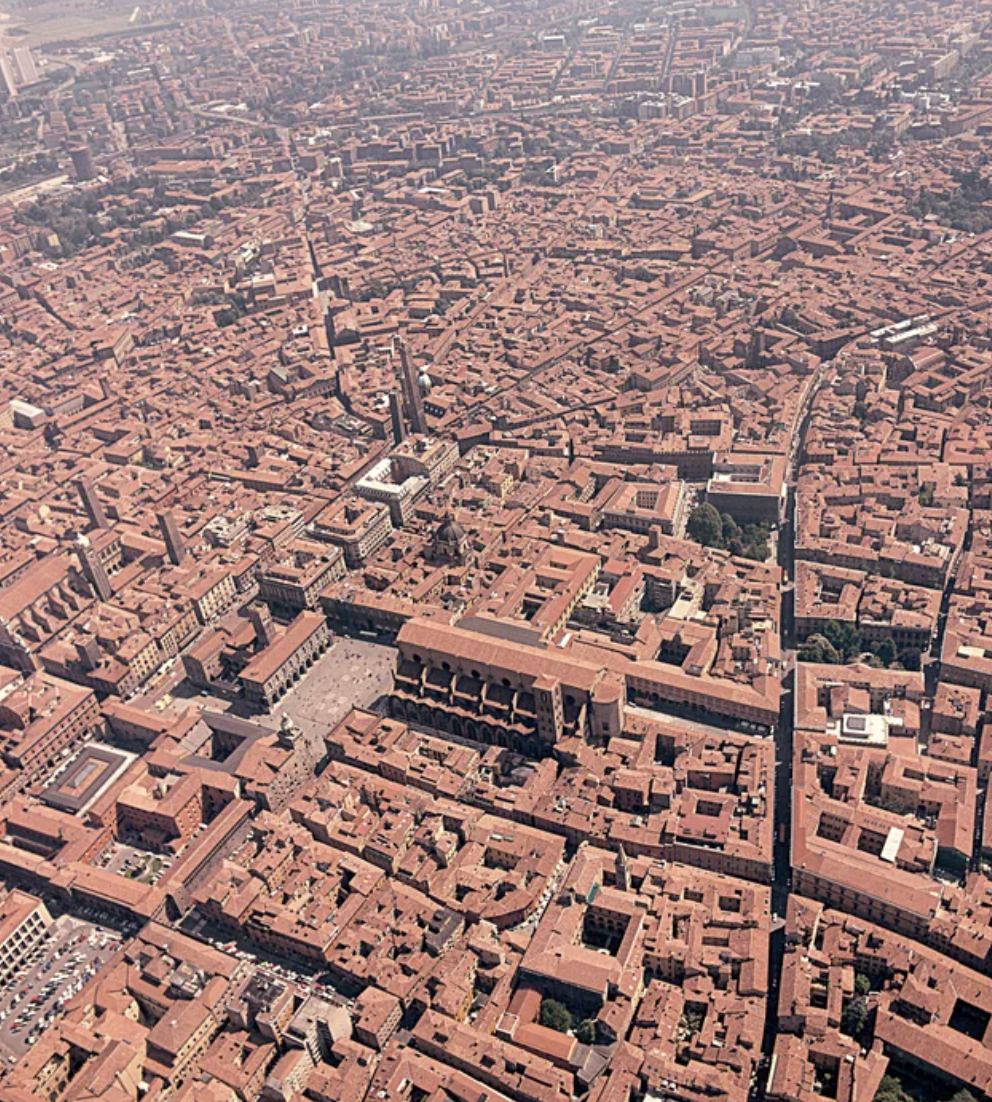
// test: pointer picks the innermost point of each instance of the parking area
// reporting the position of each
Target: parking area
(135, 864)
(69, 956)
(308, 979)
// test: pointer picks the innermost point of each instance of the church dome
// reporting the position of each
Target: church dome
(450, 531)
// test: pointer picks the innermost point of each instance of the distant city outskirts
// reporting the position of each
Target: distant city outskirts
(496, 551)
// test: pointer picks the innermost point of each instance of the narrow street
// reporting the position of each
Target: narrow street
(782, 854)
(781, 882)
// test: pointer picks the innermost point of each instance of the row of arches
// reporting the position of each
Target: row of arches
(302, 668)
(472, 728)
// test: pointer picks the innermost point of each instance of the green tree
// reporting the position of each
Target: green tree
(817, 648)
(845, 638)
(854, 1016)
(862, 985)
(852, 642)
(555, 1015)
(891, 1090)
(962, 1096)
(910, 660)
(731, 530)
(586, 1033)
(705, 526)
(886, 651)
(757, 551)
(833, 632)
